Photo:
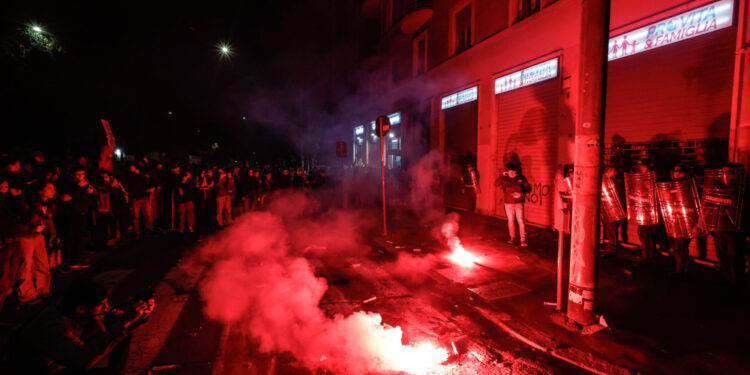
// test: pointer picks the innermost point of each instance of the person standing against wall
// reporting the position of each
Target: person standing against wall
(514, 185)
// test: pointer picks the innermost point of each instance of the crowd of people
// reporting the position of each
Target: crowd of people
(56, 216)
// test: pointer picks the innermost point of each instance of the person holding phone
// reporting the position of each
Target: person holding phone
(514, 185)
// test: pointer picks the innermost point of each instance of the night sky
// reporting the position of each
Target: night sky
(133, 62)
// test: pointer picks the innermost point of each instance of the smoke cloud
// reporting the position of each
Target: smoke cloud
(260, 280)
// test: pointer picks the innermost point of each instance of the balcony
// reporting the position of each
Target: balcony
(412, 14)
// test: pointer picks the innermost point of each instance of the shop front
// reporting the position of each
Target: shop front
(526, 101)
(459, 113)
(669, 91)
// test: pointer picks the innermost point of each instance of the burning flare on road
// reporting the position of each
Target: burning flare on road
(458, 255)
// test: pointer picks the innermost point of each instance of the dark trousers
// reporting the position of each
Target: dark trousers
(731, 251)
(104, 229)
(10, 263)
(646, 234)
(471, 199)
(121, 216)
(611, 229)
(78, 236)
(681, 248)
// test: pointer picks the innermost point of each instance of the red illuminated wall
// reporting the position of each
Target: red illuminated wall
(682, 90)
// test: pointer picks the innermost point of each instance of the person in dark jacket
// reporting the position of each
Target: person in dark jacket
(104, 225)
(184, 196)
(81, 200)
(646, 233)
(223, 191)
(10, 251)
(139, 188)
(74, 334)
(514, 186)
(300, 180)
(284, 181)
(37, 223)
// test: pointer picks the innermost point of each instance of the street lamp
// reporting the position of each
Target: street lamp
(37, 29)
(225, 50)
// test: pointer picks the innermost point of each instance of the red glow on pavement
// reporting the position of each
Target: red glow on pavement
(277, 301)
(416, 358)
(458, 255)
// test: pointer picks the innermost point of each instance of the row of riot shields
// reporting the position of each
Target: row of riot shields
(678, 203)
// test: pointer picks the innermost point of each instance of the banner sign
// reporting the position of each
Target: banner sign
(461, 97)
(695, 22)
(529, 76)
(108, 132)
(395, 118)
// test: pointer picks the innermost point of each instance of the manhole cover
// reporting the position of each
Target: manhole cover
(499, 290)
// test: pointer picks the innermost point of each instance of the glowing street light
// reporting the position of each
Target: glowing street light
(37, 29)
(118, 153)
(225, 50)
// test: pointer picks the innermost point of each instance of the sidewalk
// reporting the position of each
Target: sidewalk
(657, 325)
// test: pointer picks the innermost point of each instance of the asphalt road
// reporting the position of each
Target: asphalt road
(179, 339)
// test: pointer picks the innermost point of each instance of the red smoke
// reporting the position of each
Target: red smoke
(260, 280)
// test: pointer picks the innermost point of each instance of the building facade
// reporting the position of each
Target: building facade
(496, 81)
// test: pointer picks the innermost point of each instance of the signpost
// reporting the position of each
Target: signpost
(383, 125)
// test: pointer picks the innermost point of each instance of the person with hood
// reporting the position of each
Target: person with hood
(514, 186)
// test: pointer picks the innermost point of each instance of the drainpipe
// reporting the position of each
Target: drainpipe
(739, 128)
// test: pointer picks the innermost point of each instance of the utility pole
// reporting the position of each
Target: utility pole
(383, 125)
(588, 153)
(739, 134)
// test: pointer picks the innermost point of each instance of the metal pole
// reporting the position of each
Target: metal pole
(172, 209)
(382, 179)
(588, 152)
(739, 132)
(560, 237)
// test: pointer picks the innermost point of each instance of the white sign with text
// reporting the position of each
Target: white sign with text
(695, 22)
(529, 76)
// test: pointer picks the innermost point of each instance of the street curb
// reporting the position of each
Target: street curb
(174, 286)
(530, 336)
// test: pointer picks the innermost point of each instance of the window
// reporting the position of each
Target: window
(420, 54)
(462, 28)
(526, 8)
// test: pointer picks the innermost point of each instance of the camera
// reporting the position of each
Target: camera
(146, 294)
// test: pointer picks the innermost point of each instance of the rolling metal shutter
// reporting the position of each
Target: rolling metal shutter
(527, 131)
(682, 91)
